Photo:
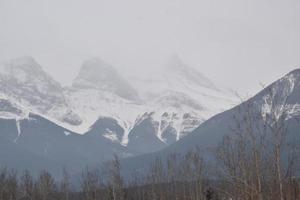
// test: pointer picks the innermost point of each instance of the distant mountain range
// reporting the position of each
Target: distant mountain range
(43, 124)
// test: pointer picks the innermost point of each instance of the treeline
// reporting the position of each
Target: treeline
(176, 177)
(179, 177)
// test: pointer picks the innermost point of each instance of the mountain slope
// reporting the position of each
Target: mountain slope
(36, 143)
(284, 92)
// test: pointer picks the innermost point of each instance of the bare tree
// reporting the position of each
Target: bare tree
(3, 176)
(252, 156)
(11, 185)
(283, 156)
(27, 185)
(8, 184)
(91, 184)
(65, 185)
(115, 179)
(45, 186)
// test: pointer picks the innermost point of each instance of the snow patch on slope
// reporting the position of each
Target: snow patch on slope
(111, 135)
(18, 130)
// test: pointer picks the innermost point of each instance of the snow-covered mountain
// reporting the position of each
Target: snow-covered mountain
(23, 81)
(144, 115)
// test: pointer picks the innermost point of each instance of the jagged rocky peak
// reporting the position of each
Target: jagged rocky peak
(176, 67)
(96, 73)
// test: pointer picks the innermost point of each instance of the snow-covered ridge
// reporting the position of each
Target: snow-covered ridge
(177, 101)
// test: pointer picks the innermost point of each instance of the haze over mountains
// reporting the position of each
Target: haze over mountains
(102, 112)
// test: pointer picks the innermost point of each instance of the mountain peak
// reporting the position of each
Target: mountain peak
(24, 81)
(295, 72)
(97, 65)
(25, 63)
(97, 74)
(25, 70)
(292, 79)
(23, 60)
(176, 62)
(95, 70)
(179, 70)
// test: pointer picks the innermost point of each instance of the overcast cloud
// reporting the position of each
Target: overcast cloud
(237, 43)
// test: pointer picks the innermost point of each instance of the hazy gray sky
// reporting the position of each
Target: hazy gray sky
(237, 43)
